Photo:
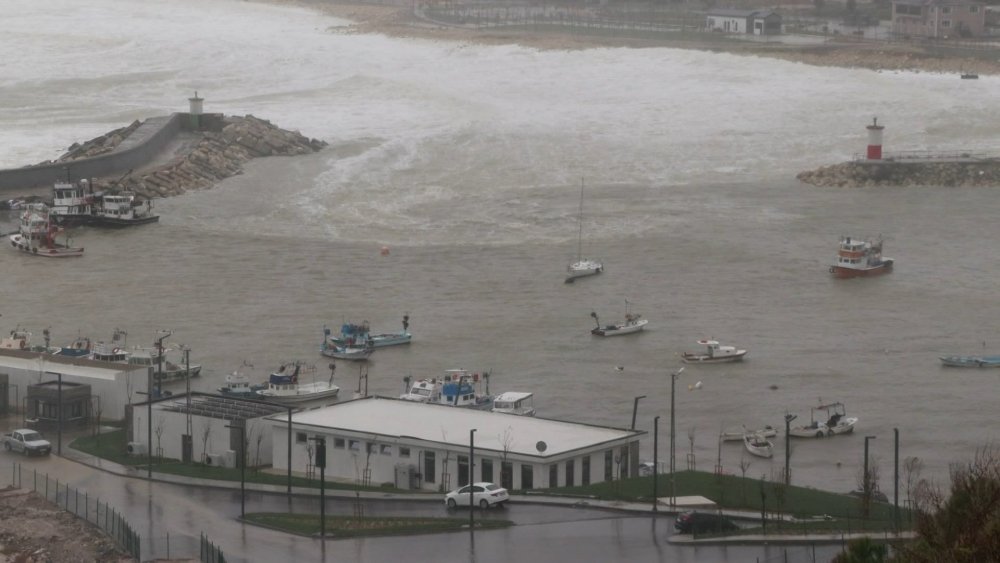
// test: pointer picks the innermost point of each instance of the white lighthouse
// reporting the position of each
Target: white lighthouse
(875, 140)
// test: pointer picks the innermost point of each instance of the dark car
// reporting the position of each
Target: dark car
(703, 523)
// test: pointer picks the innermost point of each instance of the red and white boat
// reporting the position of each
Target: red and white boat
(37, 234)
(859, 258)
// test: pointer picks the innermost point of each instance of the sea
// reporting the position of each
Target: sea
(467, 163)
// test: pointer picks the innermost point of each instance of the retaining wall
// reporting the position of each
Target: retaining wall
(135, 151)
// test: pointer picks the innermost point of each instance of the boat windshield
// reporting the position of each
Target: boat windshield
(421, 391)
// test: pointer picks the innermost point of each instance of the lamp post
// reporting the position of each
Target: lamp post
(635, 409)
(673, 436)
(656, 461)
(159, 360)
(895, 481)
(472, 498)
(788, 447)
(243, 465)
(867, 489)
(321, 463)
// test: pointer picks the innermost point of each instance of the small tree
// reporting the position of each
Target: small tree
(506, 443)
(912, 467)
(744, 466)
(206, 433)
(159, 437)
(862, 550)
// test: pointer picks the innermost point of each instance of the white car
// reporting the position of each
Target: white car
(484, 495)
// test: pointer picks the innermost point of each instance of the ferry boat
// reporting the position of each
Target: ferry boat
(284, 385)
(860, 258)
(37, 234)
(458, 388)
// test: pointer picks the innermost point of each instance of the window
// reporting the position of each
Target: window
(463, 470)
(945, 23)
(300, 437)
(609, 465)
(973, 9)
(553, 475)
(624, 468)
(946, 9)
(507, 475)
(527, 476)
(429, 469)
(385, 449)
(585, 466)
(338, 443)
(354, 445)
(486, 468)
(570, 473)
(404, 452)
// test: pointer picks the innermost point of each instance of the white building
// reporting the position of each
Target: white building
(412, 445)
(205, 428)
(113, 385)
(755, 22)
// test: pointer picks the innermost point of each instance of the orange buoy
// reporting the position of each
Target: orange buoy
(384, 251)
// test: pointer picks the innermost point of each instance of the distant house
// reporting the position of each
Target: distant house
(756, 22)
(939, 19)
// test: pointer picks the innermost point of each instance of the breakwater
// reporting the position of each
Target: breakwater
(165, 156)
(873, 173)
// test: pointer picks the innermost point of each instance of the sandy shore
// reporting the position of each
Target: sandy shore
(399, 21)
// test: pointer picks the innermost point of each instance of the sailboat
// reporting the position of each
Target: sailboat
(582, 267)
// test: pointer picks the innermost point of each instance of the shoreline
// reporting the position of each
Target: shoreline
(400, 22)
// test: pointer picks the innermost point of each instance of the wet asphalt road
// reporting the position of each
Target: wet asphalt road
(170, 518)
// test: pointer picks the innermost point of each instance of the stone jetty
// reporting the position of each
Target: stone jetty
(199, 162)
(931, 172)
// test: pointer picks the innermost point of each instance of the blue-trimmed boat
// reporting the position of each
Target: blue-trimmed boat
(354, 334)
(458, 388)
(971, 361)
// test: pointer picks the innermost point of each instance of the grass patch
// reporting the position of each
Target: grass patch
(111, 446)
(353, 527)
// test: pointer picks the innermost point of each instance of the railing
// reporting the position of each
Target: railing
(101, 514)
(926, 155)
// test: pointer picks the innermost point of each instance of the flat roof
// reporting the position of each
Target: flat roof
(450, 425)
(54, 363)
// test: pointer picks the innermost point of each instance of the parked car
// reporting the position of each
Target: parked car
(27, 442)
(703, 523)
(484, 495)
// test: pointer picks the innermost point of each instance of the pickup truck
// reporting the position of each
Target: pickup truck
(27, 442)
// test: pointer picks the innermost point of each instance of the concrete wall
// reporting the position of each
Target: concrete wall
(134, 152)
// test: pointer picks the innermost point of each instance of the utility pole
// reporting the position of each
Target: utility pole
(895, 481)
(673, 437)
(788, 448)
(867, 492)
(635, 409)
(472, 497)
(656, 461)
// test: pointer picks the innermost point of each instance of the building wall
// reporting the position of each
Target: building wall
(939, 21)
(348, 457)
(728, 24)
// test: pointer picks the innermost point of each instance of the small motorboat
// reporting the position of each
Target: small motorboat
(971, 361)
(714, 354)
(837, 423)
(758, 445)
(515, 402)
(633, 323)
(284, 385)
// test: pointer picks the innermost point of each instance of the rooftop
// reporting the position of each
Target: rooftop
(451, 425)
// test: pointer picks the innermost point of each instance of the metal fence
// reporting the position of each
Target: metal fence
(101, 514)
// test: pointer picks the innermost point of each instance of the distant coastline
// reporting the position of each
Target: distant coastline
(400, 21)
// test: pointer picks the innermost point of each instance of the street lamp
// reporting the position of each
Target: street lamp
(673, 436)
(656, 460)
(472, 498)
(867, 486)
(788, 449)
(243, 466)
(321, 463)
(635, 408)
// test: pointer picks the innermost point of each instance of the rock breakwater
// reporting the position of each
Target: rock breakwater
(949, 173)
(204, 161)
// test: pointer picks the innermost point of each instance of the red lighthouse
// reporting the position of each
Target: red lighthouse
(875, 140)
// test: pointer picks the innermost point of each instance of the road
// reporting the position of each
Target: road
(170, 519)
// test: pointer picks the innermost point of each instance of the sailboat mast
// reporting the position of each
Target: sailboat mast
(579, 244)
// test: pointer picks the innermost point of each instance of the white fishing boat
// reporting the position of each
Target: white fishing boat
(633, 323)
(171, 367)
(286, 385)
(582, 267)
(72, 203)
(19, 339)
(238, 384)
(515, 402)
(351, 334)
(112, 351)
(37, 234)
(458, 388)
(358, 352)
(122, 209)
(758, 445)
(714, 353)
(837, 422)
(737, 435)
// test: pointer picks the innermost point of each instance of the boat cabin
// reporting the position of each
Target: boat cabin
(515, 402)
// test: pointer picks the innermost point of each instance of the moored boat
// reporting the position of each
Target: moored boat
(165, 368)
(37, 234)
(758, 445)
(582, 267)
(19, 339)
(238, 384)
(515, 402)
(860, 258)
(79, 348)
(971, 361)
(351, 334)
(714, 354)
(286, 386)
(837, 423)
(458, 388)
(72, 203)
(122, 209)
(633, 323)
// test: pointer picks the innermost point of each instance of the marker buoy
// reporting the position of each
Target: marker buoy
(384, 251)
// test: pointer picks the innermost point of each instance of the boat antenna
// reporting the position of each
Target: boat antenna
(579, 243)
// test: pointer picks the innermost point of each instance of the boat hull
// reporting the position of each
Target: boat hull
(820, 430)
(118, 223)
(304, 395)
(841, 272)
(689, 358)
(21, 244)
(766, 450)
(378, 340)
(576, 271)
(355, 354)
(971, 361)
(620, 330)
